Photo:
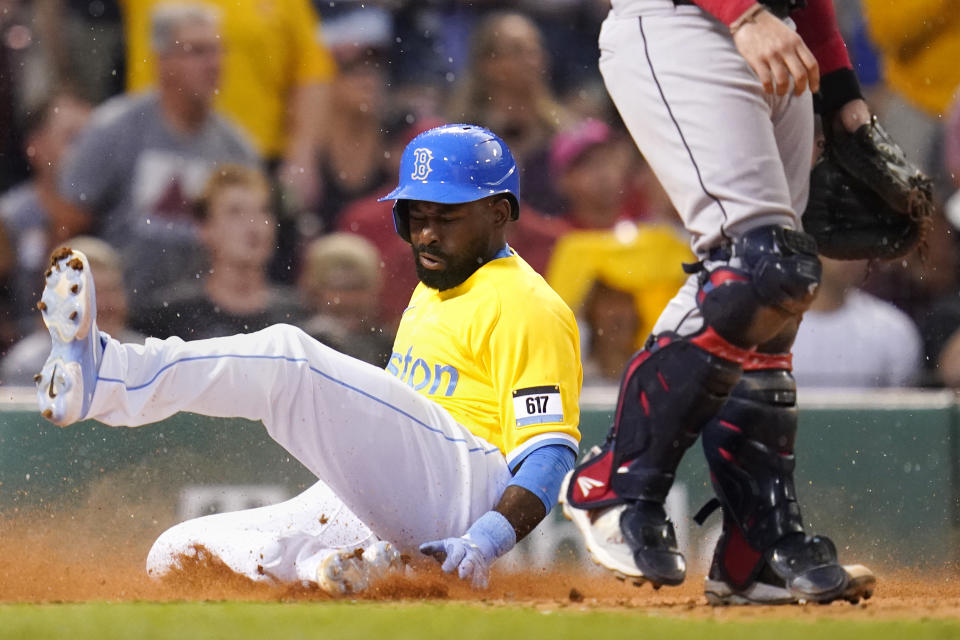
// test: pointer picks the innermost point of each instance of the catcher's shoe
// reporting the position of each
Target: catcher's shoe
(798, 569)
(634, 542)
(345, 571)
(66, 383)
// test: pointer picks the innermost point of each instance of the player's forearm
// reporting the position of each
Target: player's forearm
(522, 509)
(535, 487)
(817, 25)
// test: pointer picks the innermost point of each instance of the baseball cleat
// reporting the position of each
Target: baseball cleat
(353, 571)
(66, 383)
(860, 584)
(604, 539)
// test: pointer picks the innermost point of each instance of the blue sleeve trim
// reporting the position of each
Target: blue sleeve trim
(543, 470)
(516, 457)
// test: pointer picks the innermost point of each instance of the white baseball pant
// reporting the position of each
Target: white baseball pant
(393, 457)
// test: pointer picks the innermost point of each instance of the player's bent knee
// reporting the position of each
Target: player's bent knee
(769, 278)
(166, 552)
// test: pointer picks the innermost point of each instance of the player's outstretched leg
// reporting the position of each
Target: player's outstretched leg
(746, 293)
(763, 555)
(66, 383)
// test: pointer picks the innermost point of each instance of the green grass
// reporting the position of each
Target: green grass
(335, 621)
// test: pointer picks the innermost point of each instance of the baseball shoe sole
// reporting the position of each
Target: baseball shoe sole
(66, 383)
(860, 585)
(345, 572)
(603, 538)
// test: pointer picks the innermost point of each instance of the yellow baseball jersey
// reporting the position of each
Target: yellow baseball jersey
(270, 47)
(500, 352)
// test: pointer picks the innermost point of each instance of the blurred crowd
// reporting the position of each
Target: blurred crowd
(221, 164)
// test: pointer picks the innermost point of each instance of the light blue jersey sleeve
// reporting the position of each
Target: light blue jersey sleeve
(543, 470)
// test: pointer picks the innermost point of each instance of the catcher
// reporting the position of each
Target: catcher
(718, 96)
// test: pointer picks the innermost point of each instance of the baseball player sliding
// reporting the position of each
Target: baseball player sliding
(457, 449)
(717, 94)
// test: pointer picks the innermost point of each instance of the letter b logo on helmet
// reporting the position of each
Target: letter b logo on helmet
(453, 164)
(421, 163)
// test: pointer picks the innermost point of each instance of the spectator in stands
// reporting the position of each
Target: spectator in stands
(145, 157)
(234, 294)
(940, 329)
(8, 325)
(33, 215)
(83, 43)
(848, 338)
(275, 79)
(15, 38)
(610, 323)
(919, 45)
(591, 168)
(642, 259)
(26, 357)
(340, 284)
(505, 88)
(351, 162)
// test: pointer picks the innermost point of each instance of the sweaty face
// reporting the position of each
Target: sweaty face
(451, 241)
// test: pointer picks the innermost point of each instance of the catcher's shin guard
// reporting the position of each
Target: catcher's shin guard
(669, 390)
(763, 554)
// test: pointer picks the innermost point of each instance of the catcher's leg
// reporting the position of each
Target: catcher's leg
(763, 555)
(746, 295)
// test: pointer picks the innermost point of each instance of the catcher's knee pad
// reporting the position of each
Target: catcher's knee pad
(668, 391)
(770, 276)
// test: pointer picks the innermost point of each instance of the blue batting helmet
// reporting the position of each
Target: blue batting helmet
(453, 164)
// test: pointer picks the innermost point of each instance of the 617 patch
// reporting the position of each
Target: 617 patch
(537, 405)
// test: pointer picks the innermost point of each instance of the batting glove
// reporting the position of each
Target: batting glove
(472, 554)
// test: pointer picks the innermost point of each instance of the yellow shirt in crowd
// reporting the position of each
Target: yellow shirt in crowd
(500, 352)
(271, 47)
(919, 44)
(644, 260)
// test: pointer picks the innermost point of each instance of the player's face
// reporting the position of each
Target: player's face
(451, 241)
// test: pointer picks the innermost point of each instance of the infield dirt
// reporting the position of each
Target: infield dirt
(96, 555)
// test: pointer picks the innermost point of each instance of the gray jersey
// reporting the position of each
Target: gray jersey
(139, 179)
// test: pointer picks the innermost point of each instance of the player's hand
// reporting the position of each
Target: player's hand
(464, 555)
(776, 53)
(853, 115)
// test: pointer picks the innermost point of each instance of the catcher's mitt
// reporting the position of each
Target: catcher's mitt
(867, 201)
